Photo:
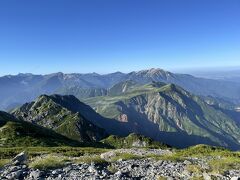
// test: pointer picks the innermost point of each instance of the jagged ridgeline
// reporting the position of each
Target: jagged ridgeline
(169, 114)
(15, 133)
(18, 89)
(164, 112)
(60, 114)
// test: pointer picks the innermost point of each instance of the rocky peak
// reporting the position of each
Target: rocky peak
(152, 75)
(154, 72)
(60, 113)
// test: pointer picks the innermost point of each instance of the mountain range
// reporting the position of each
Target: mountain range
(170, 114)
(164, 112)
(174, 109)
(18, 89)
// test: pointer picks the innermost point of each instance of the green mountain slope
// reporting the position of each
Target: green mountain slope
(15, 133)
(122, 87)
(170, 114)
(82, 93)
(132, 140)
(55, 112)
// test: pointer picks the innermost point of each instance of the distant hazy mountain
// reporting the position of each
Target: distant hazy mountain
(221, 74)
(82, 93)
(169, 114)
(58, 113)
(15, 133)
(217, 88)
(16, 90)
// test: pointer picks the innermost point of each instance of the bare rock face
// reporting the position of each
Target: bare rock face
(20, 159)
(139, 143)
(123, 118)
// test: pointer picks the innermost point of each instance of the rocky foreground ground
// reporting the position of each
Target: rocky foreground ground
(136, 168)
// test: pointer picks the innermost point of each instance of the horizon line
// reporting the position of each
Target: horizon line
(177, 70)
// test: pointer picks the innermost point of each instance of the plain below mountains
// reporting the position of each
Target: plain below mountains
(18, 89)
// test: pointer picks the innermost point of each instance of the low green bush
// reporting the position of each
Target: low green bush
(90, 159)
(48, 162)
(3, 162)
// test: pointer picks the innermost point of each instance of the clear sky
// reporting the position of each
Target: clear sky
(45, 36)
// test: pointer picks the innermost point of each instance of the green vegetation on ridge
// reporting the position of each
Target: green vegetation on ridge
(50, 112)
(16, 133)
(183, 119)
(133, 140)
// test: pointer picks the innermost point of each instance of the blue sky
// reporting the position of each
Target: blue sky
(46, 36)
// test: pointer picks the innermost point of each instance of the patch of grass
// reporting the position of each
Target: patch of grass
(61, 151)
(3, 162)
(48, 162)
(197, 178)
(193, 168)
(168, 157)
(203, 150)
(125, 156)
(112, 169)
(224, 164)
(161, 178)
(90, 159)
(133, 140)
(198, 151)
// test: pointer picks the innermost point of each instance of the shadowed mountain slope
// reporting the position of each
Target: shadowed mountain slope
(170, 114)
(17, 133)
(57, 112)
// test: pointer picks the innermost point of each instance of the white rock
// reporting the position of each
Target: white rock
(235, 178)
(206, 176)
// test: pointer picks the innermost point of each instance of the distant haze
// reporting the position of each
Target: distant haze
(226, 73)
